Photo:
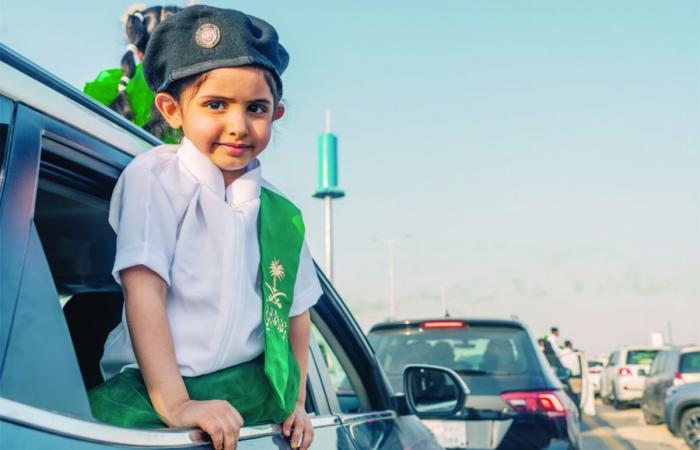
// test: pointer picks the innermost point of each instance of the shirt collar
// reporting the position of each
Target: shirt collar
(245, 188)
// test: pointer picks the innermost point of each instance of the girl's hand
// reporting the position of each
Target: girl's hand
(217, 418)
(299, 426)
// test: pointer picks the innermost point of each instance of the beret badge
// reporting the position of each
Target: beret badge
(207, 35)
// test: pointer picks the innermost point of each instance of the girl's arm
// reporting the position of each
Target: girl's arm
(299, 422)
(145, 296)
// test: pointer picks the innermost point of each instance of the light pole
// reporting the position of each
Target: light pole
(391, 247)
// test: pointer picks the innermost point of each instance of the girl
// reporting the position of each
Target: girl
(124, 89)
(216, 274)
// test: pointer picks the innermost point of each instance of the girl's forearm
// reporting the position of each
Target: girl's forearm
(145, 297)
(299, 329)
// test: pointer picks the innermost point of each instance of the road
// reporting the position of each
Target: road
(625, 430)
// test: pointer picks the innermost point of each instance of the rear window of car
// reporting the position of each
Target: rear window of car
(470, 350)
(592, 364)
(642, 357)
(690, 363)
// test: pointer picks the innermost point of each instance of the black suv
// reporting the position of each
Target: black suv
(515, 400)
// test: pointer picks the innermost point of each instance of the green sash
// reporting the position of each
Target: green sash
(262, 390)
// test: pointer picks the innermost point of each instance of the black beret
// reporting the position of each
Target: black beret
(201, 38)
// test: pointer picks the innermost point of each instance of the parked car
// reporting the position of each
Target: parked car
(672, 367)
(60, 155)
(595, 370)
(515, 400)
(682, 413)
(622, 381)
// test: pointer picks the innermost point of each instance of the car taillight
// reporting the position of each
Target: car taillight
(444, 324)
(594, 371)
(539, 401)
(678, 379)
(624, 372)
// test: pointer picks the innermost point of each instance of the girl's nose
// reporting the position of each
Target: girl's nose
(238, 125)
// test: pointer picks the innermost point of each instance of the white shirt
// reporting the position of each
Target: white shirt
(172, 213)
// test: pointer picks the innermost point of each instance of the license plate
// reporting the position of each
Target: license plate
(449, 433)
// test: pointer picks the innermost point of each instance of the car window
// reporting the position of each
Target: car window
(342, 383)
(658, 364)
(474, 350)
(645, 357)
(690, 363)
(592, 364)
(613, 359)
(6, 108)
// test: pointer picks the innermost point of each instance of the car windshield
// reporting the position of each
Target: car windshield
(470, 350)
(644, 357)
(690, 363)
(592, 364)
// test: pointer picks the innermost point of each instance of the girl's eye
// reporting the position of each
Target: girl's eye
(257, 108)
(215, 105)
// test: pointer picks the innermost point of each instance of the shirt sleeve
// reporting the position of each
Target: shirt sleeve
(145, 222)
(307, 289)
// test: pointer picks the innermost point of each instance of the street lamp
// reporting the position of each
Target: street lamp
(391, 244)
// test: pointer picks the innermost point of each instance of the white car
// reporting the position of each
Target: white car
(595, 371)
(623, 378)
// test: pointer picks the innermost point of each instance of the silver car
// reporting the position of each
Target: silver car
(673, 367)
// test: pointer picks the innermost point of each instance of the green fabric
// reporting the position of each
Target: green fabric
(262, 390)
(279, 222)
(105, 90)
(123, 399)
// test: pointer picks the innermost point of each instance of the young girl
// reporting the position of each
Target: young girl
(216, 274)
(124, 89)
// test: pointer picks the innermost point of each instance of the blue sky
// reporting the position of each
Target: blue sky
(543, 156)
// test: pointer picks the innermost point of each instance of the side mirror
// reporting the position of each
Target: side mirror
(433, 391)
(563, 374)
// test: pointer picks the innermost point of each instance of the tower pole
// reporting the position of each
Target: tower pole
(328, 200)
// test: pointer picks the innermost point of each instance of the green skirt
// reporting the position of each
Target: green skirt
(123, 399)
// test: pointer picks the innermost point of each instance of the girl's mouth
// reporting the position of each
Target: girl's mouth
(236, 149)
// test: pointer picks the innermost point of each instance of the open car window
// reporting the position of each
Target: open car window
(344, 383)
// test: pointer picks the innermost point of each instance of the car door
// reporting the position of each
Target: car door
(608, 375)
(56, 186)
(357, 389)
(653, 382)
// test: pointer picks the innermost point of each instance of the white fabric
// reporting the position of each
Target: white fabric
(552, 339)
(172, 213)
(570, 360)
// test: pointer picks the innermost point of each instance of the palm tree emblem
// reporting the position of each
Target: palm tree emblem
(277, 273)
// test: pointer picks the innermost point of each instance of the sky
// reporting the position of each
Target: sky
(537, 159)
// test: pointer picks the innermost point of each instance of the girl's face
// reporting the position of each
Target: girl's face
(228, 117)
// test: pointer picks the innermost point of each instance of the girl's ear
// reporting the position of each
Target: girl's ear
(279, 112)
(170, 109)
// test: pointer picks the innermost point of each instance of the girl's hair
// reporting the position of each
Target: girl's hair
(176, 88)
(138, 26)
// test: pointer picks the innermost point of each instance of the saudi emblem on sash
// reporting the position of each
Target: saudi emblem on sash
(274, 298)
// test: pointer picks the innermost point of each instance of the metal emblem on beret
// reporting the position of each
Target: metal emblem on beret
(207, 35)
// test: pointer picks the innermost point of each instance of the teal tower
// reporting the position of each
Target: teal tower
(328, 165)
(328, 186)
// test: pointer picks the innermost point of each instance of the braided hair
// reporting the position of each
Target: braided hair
(139, 23)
